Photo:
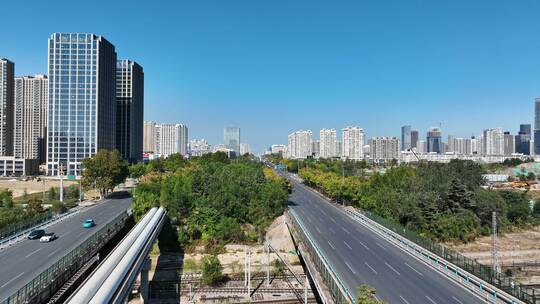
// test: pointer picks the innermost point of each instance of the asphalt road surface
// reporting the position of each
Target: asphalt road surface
(24, 261)
(359, 256)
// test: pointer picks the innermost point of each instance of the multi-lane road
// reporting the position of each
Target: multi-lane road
(25, 260)
(359, 256)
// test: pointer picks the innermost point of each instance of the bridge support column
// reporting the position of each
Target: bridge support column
(144, 280)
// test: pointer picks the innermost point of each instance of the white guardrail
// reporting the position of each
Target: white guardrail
(477, 286)
(344, 290)
(11, 240)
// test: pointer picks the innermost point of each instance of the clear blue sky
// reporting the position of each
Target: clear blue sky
(274, 66)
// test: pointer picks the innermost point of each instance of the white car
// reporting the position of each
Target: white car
(48, 237)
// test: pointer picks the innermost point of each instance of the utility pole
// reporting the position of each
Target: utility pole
(494, 245)
(267, 264)
(61, 183)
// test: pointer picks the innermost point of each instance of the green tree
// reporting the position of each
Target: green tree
(51, 194)
(58, 207)
(366, 295)
(105, 170)
(6, 198)
(212, 271)
(137, 170)
(34, 207)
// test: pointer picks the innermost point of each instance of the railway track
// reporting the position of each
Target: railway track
(243, 290)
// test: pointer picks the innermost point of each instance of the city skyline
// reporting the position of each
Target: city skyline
(208, 90)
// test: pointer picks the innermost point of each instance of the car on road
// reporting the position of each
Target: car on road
(48, 237)
(36, 234)
(89, 223)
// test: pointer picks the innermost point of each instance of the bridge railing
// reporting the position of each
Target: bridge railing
(335, 284)
(65, 267)
(483, 272)
(31, 222)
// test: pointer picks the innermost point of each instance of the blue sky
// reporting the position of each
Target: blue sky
(271, 67)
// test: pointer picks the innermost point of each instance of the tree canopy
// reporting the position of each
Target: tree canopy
(104, 171)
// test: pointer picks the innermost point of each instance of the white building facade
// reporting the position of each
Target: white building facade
(328, 146)
(300, 144)
(384, 149)
(171, 139)
(493, 142)
(353, 143)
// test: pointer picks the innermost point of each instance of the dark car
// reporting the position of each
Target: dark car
(36, 234)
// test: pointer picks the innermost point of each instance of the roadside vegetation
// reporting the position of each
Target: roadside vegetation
(210, 200)
(445, 202)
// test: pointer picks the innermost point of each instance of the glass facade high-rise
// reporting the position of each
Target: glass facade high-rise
(82, 100)
(406, 138)
(434, 140)
(231, 139)
(414, 138)
(7, 96)
(523, 139)
(129, 109)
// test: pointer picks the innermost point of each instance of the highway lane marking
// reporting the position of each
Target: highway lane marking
(349, 266)
(346, 231)
(318, 230)
(331, 245)
(324, 212)
(65, 234)
(402, 298)
(53, 252)
(13, 279)
(384, 248)
(364, 245)
(347, 245)
(309, 219)
(333, 220)
(31, 253)
(413, 269)
(457, 300)
(393, 269)
(81, 233)
(431, 300)
(369, 266)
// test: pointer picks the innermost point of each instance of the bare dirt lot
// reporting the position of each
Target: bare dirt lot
(516, 248)
(31, 186)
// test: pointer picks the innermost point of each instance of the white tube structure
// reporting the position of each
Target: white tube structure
(86, 291)
(107, 290)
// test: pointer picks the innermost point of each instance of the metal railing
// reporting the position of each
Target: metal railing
(22, 233)
(466, 269)
(53, 277)
(335, 284)
(21, 226)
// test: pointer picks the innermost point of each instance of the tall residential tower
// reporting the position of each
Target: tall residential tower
(31, 95)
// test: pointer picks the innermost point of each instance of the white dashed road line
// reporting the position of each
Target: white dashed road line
(31, 253)
(13, 279)
(393, 269)
(347, 245)
(350, 268)
(457, 300)
(413, 269)
(364, 245)
(369, 266)
(331, 245)
(431, 300)
(403, 299)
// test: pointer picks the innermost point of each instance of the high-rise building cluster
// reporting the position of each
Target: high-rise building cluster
(164, 139)
(302, 145)
(89, 100)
